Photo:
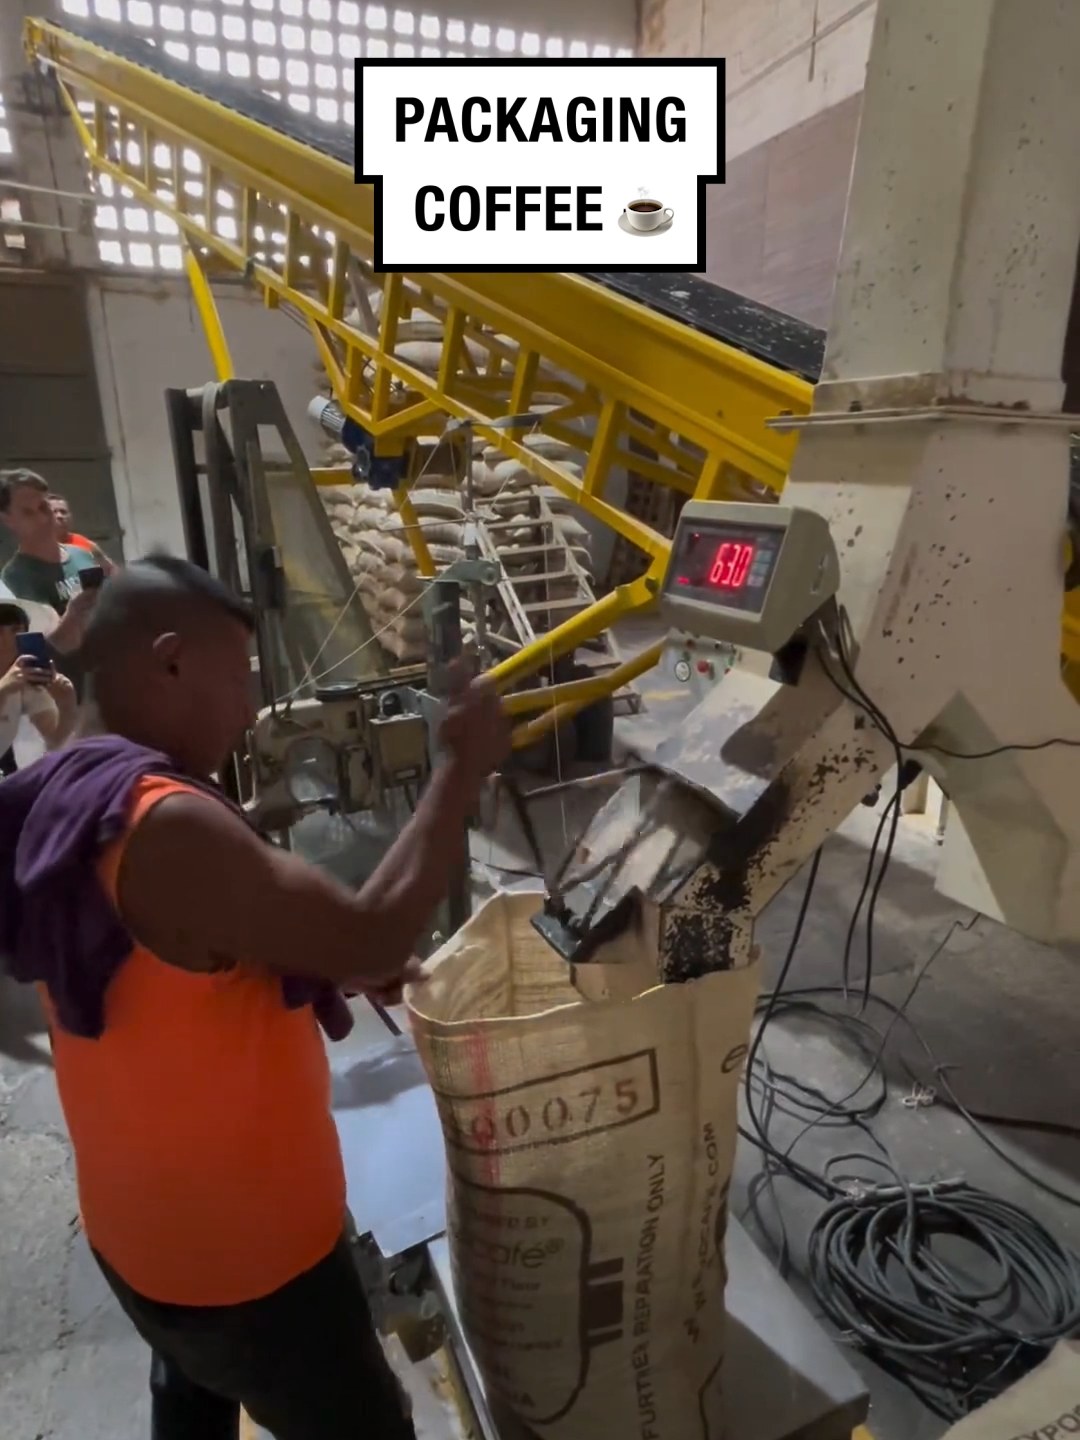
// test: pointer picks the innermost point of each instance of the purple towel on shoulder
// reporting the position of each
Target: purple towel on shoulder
(57, 925)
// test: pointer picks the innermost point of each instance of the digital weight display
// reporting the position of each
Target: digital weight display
(726, 564)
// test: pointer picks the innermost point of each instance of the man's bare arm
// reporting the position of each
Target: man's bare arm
(69, 631)
(200, 890)
(103, 560)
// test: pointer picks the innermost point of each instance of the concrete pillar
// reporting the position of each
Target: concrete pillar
(938, 453)
(936, 447)
(960, 244)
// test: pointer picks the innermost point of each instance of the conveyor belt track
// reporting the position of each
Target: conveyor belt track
(666, 376)
(669, 377)
(768, 335)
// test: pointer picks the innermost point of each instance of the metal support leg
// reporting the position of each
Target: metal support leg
(181, 433)
(209, 315)
(443, 605)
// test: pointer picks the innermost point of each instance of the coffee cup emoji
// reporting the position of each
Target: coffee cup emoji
(647, 214)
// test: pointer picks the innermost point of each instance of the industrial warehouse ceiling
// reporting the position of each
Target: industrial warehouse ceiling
(302, 51)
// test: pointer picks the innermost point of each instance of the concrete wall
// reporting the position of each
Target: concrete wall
(774, 228)
(612, 22)
(795, 74)
(50, 402)
(787, 60)
(147, 338)
(47, 150)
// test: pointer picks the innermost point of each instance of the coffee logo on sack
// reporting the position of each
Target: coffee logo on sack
(519, 1247)
(525, 166)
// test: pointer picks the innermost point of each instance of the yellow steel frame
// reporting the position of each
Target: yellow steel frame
(1070, 642)
(294, 223)
(619, 377)
(208, 313)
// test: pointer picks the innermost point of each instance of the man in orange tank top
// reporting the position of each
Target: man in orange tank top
(64, 533)
(198, 1101)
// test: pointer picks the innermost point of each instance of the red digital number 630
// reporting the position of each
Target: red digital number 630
(731, 565)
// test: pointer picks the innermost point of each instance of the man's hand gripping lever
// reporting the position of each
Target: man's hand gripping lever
(475, 731)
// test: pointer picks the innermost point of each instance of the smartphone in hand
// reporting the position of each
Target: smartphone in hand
(34, 649)
(92, 578)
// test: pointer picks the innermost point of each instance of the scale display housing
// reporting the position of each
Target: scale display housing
(748, 574)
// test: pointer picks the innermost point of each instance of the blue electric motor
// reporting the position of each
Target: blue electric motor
(380, 472)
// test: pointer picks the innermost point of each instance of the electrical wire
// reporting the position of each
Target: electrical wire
(863, 701)
(890, 816)
(800, 1096)
(309, 676)
(796, 1000)
(799, 1001)
(1001, 749)
(1028, 1123)
(876, 714)
(868, 879)
(889, 1260)
(873, 1263)
(760, 1123)
(841, 1108)
(775, 1161)
(977, 1121)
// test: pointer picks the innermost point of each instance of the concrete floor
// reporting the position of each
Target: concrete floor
(997, 1008)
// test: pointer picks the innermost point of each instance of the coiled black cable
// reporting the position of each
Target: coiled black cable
(886, 1261)
(916, 1311)
(890, 1263)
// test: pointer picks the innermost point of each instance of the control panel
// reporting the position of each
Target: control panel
(748, 574)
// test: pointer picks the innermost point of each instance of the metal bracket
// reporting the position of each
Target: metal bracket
(458, 575)
(471, 572)
(984, 414)
(578, 939)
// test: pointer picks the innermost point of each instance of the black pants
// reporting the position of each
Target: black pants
(304, 1362)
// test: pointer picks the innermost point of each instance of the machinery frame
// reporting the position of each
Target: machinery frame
(261, 193)
(301, 231)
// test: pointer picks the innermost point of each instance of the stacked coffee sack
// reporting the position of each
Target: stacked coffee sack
(373, 537)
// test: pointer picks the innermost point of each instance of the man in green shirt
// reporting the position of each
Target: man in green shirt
(42, 569)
